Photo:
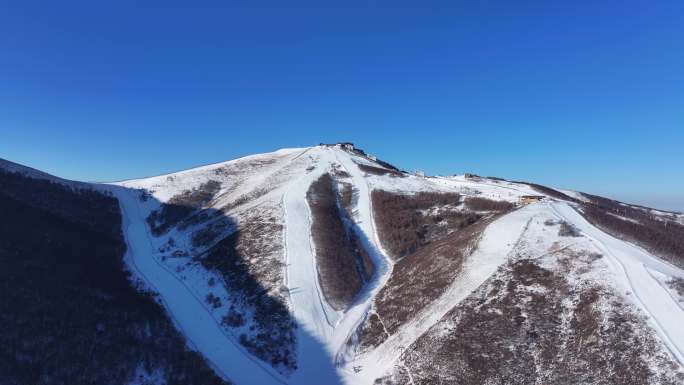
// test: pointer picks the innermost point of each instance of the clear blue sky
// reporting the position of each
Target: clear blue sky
(588, 96)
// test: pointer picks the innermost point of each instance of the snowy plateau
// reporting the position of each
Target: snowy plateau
(324, 265)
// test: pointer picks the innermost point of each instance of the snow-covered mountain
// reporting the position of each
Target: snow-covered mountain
(325, 265)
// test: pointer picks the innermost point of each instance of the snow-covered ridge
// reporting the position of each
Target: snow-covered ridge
(633, 269)
(589, 300)
(188, 311)
(237, 238)
(277, 183)
(10, 166)
(165, 186)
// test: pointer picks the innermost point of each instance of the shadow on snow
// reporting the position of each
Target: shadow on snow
(259, 327)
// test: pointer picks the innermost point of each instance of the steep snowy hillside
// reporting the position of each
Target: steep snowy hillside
(325, 265)
(68, 310)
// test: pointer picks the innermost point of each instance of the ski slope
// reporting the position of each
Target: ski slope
(316, 318)
(324, 353)
(632, 264)
(188, 312)
(329, 328)
(497, 242)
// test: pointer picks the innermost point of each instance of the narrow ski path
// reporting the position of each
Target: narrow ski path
(332, 329)
(499, 240)
(188, 312)
(316, 319)
(364, 226)
(631, 265)
(320, 324)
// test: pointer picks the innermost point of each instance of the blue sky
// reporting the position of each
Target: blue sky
(586, 96)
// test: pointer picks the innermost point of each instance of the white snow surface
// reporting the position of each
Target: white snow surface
(188, 312)
(632, 266)
(330, 329)
(468, 187)
(493, 250)
(323, 353)
(575, 194)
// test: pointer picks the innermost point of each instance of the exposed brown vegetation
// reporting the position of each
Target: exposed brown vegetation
(367, 267)
(347, 196)
(179, 207)
(434, 238)
(567, 230)
(372, 333)
(245, 198)
(527, 325)
(242, 259)
(551, 192)
(496, 178)
(677, 284)
(484, 204)
(386, 165)
(338, 172)
(663, 237)
(402, 225)
(73, 204)
(337, 259)
(69, 312)
(346, 192)
(381, 171)
(421, 277)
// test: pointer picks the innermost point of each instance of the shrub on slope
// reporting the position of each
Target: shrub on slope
(245, 261)
(663, 237)
(531, 324)
(68, 311)
(181, 206)
(484, 204)
(430, 239)
(340, 265)
(402, 225)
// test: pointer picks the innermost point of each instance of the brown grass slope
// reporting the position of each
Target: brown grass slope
(181, 206)
(244, 259)
(529, 325)
(484, 204)
(403, 227)
(69, 312)
(341, 267)
(660, 236)
(430, 239)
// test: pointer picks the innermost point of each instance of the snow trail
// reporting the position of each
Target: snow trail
(323, 355)
(204, 334)
(494, 248)
(316, 318)
(367, 233)
(330, 329)
(631, 265)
